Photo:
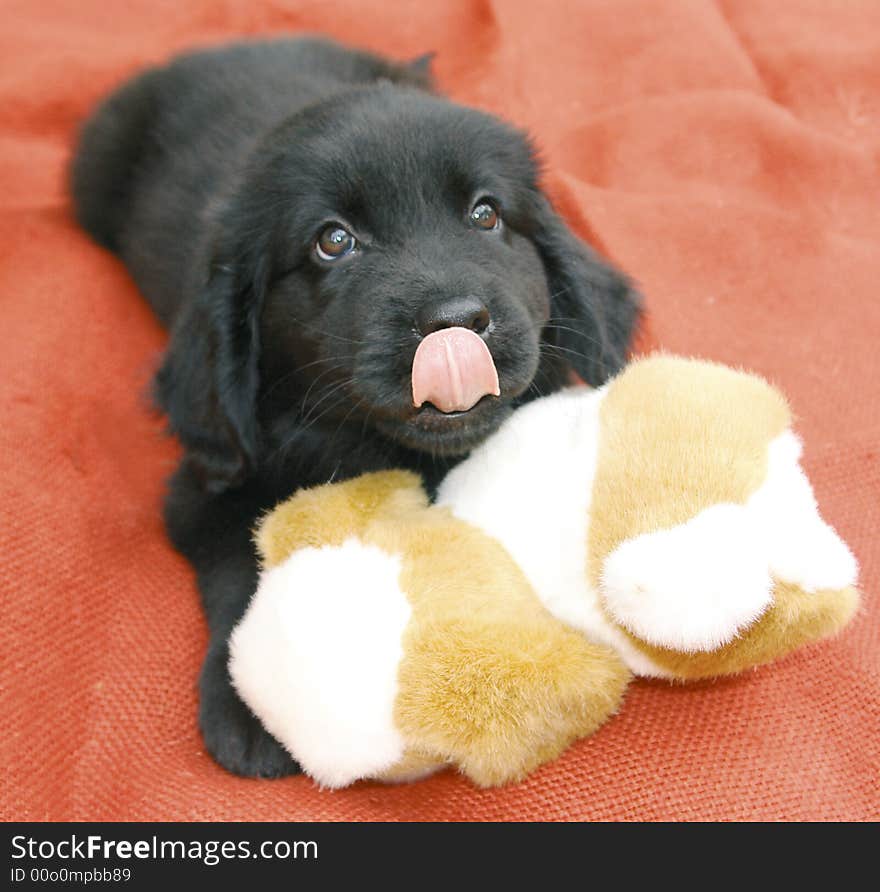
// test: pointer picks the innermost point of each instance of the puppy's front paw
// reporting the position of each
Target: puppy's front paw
(232, 734)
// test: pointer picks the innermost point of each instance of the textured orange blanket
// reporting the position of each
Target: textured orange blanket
(725, 153)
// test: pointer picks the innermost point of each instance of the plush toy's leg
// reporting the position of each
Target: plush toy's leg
(782, 538)
(803, 550)
(699, 585)
(316, 657)
(498, 702)
(693, 587)
(794, 618)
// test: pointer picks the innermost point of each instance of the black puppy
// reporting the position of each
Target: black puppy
(303, 217)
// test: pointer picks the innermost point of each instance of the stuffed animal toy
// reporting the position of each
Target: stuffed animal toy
(659, 526)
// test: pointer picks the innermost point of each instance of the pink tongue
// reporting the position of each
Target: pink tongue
(453, 369)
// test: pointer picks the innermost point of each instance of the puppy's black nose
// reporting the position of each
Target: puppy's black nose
(467, 312)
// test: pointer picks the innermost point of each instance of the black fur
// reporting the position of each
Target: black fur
(211, 179)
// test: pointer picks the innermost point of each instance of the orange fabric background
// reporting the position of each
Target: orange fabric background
(725, 153)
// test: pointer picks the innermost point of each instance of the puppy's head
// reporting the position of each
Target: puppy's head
(389, 260)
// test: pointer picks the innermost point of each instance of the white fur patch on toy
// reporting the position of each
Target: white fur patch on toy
(316, 657)
(548, 446)
(540, 466)
(802, 548)
(693, 587)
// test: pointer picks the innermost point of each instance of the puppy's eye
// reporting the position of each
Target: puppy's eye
(334, 242)
(485, 215)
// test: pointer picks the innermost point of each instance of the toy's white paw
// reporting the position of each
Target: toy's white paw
(693, 587)
(316, 658)
(802, 548)
(813, 557)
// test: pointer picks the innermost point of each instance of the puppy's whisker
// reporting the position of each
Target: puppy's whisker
(604, 342)
(309, 418)
(313, 329)
(308, 393)
(559, 348)
(364, 427)
(288, 375)
(584, 335)
(534, 388)
(565, 289)
(304, 428)
(354, 407)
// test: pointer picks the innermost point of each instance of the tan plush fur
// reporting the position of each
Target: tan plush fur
(330, 514)
(677, 436)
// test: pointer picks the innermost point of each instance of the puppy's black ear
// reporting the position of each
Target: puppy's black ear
(593, 306)
(208, 381)
(421, 68)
